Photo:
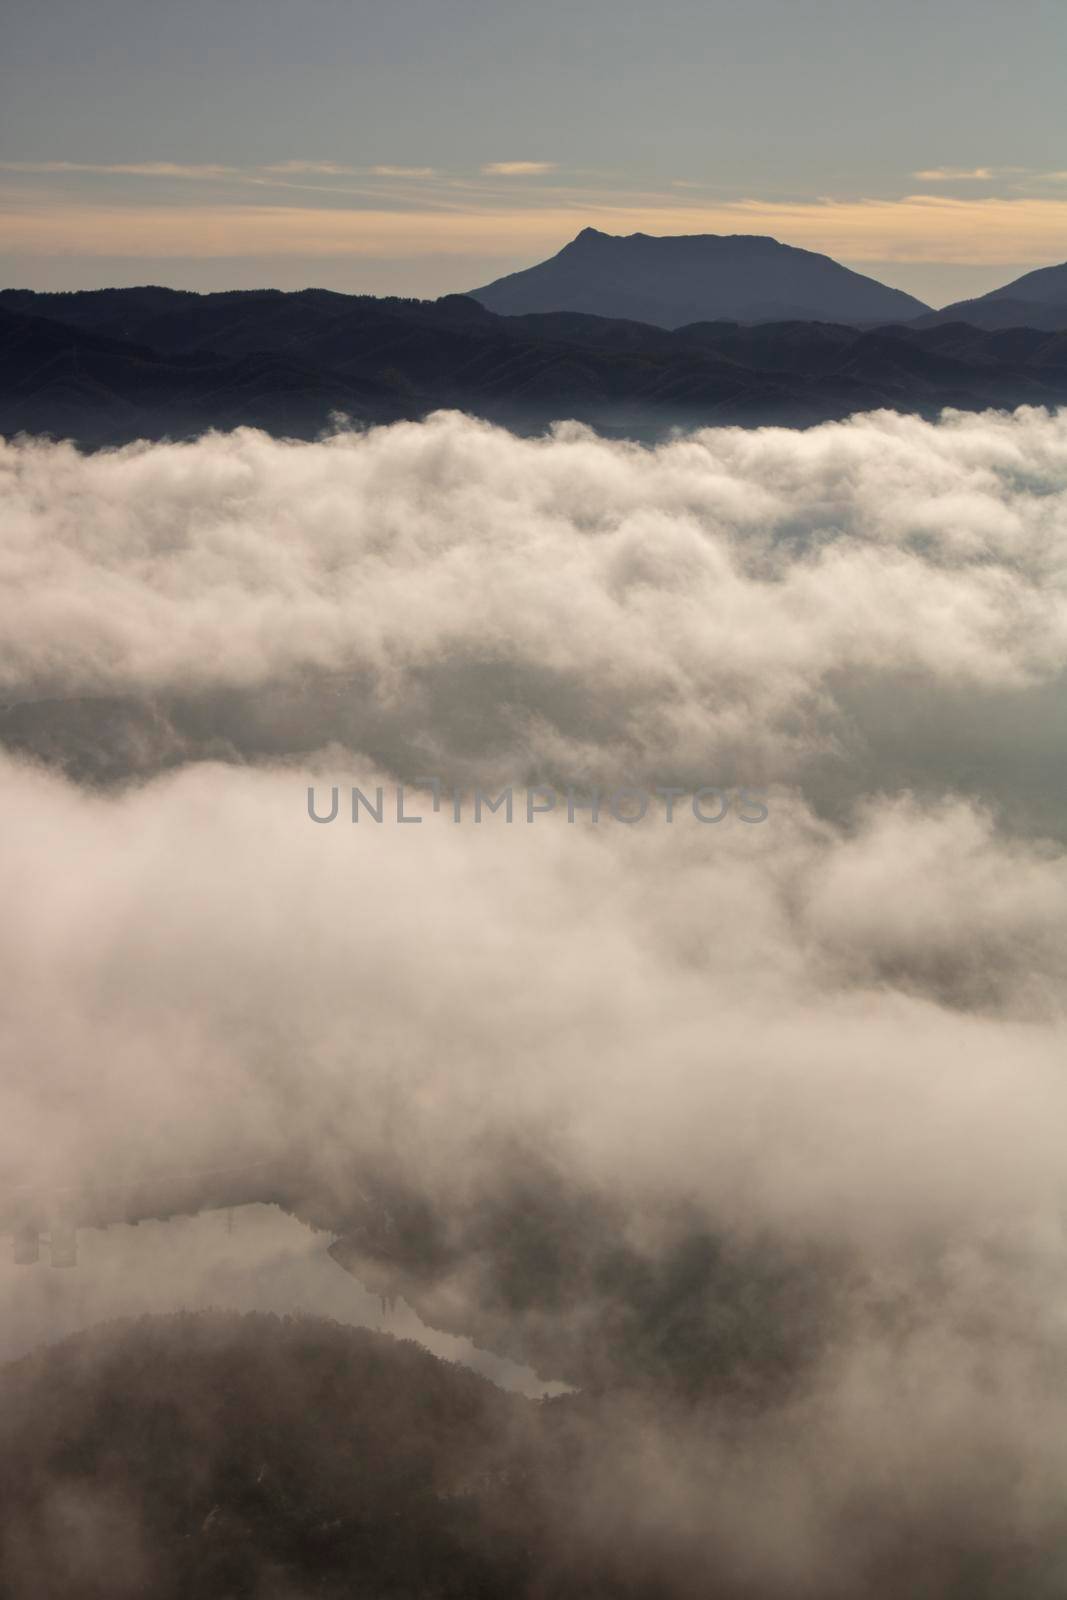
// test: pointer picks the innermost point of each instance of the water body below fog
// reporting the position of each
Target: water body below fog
(253, 1258)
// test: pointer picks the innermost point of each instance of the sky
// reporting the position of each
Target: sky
(428, 146)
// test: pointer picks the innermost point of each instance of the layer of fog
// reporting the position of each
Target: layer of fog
(867, 604)
(838, 1034)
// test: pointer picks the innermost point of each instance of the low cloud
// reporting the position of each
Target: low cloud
(866, 604)
(771, 1116)
(866, 620)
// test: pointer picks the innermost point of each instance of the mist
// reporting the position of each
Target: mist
(754, 1131)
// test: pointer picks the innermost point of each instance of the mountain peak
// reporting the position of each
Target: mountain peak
(674, 279)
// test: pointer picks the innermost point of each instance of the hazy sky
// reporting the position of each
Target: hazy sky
(244, 142)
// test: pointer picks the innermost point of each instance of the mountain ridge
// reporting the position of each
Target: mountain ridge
(105, 367)
(670, 280)
(1036, 300)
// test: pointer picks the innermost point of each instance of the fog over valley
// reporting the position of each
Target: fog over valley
(744, 1142)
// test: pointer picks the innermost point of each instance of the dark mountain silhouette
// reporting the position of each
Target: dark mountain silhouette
(676, 280)
(107, 366)
(67, 380)
(1036, 300)
(1044, 287)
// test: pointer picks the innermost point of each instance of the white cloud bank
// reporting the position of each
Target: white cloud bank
(843, 1029)
(769, 607)
(864, 605)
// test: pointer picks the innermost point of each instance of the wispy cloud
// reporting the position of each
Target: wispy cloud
(1014, 179)
(280, 170)
(333, 169)
(402, 172)
(955, 174)
(132, 169)
(951, 175)
(518, 169)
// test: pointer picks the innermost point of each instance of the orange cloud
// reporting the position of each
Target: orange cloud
(953, 174)
(518, 169)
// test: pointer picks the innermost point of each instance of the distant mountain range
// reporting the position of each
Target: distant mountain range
(674, 281)
(702, 277)
(1036, 300)
(110, 365)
